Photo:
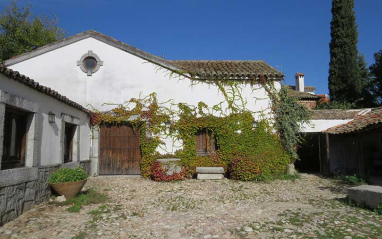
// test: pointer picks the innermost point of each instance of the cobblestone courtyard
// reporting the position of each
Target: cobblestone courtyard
(309, 207)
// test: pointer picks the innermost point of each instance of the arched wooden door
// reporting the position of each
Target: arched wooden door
(120, 151)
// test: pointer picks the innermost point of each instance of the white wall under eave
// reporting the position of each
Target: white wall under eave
(320, 125)
(49, 134)
(123, 76)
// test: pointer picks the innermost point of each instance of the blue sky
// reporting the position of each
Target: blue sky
(294, 34)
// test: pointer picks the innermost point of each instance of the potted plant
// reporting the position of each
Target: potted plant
(68, 181)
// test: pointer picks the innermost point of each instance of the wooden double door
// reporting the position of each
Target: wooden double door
(120, 151)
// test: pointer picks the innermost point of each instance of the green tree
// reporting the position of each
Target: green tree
(344, 77)
(289, 118)
(368, 99)
(376, 72)
(22, 31)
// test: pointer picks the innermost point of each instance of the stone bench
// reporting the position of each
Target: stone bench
(367, 195)
(210, 173)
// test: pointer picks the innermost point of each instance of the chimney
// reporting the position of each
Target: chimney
(300, 86)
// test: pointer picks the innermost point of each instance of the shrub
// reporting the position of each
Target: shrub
(160, 174)
(245, 168)
(146, 165)
(378, 209)
(64, 175)
(353, 180)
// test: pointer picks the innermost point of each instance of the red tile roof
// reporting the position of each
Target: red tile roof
(301, 95)
(334, 114)
(361, 123)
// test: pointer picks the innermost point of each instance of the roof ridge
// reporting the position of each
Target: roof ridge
(227, 68)
(99, 36)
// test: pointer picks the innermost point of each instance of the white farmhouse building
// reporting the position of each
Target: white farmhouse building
(93, 69)
(41, 129)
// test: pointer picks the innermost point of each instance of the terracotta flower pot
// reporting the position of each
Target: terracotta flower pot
(70, 189)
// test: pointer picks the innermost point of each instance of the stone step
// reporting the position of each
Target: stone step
(367, 195)
(209, 170)
(206, 176)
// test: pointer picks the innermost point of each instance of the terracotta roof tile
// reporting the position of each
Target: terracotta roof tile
(301, 95)
(334, 114)
(227, 69)
(16, 76)
(310, 88)
(362, 122)
(306, 88)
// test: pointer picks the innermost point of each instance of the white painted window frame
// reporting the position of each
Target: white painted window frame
(29, 171)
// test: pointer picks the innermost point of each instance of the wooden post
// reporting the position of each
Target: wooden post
(343, 160)
(327, 153)
(360, 155)
(319, 151)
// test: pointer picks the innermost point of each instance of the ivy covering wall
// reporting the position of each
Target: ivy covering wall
(246, 152)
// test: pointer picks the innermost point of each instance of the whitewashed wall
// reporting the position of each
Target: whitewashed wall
(320, 125)
(49, 134)
(124, 76)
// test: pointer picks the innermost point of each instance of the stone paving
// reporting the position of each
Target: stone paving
(310, 207)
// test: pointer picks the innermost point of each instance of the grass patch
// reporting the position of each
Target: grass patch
(81, 235)
(97, 213)
(89, 197)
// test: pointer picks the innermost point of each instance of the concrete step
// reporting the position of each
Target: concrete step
(209, 170)
(206, 176)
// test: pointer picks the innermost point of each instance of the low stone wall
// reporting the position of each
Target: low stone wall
(86, 165)
(15, 199)
(368, 195)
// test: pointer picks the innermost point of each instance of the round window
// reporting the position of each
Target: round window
(90, 63)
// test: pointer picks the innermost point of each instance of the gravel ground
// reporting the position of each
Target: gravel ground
(310, 207)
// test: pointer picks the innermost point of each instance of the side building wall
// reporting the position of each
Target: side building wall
(24, 186)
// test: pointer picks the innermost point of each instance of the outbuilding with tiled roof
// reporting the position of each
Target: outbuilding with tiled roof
(355, 147)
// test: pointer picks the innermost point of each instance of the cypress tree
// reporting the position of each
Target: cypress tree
(376, 72)
(345, 83)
